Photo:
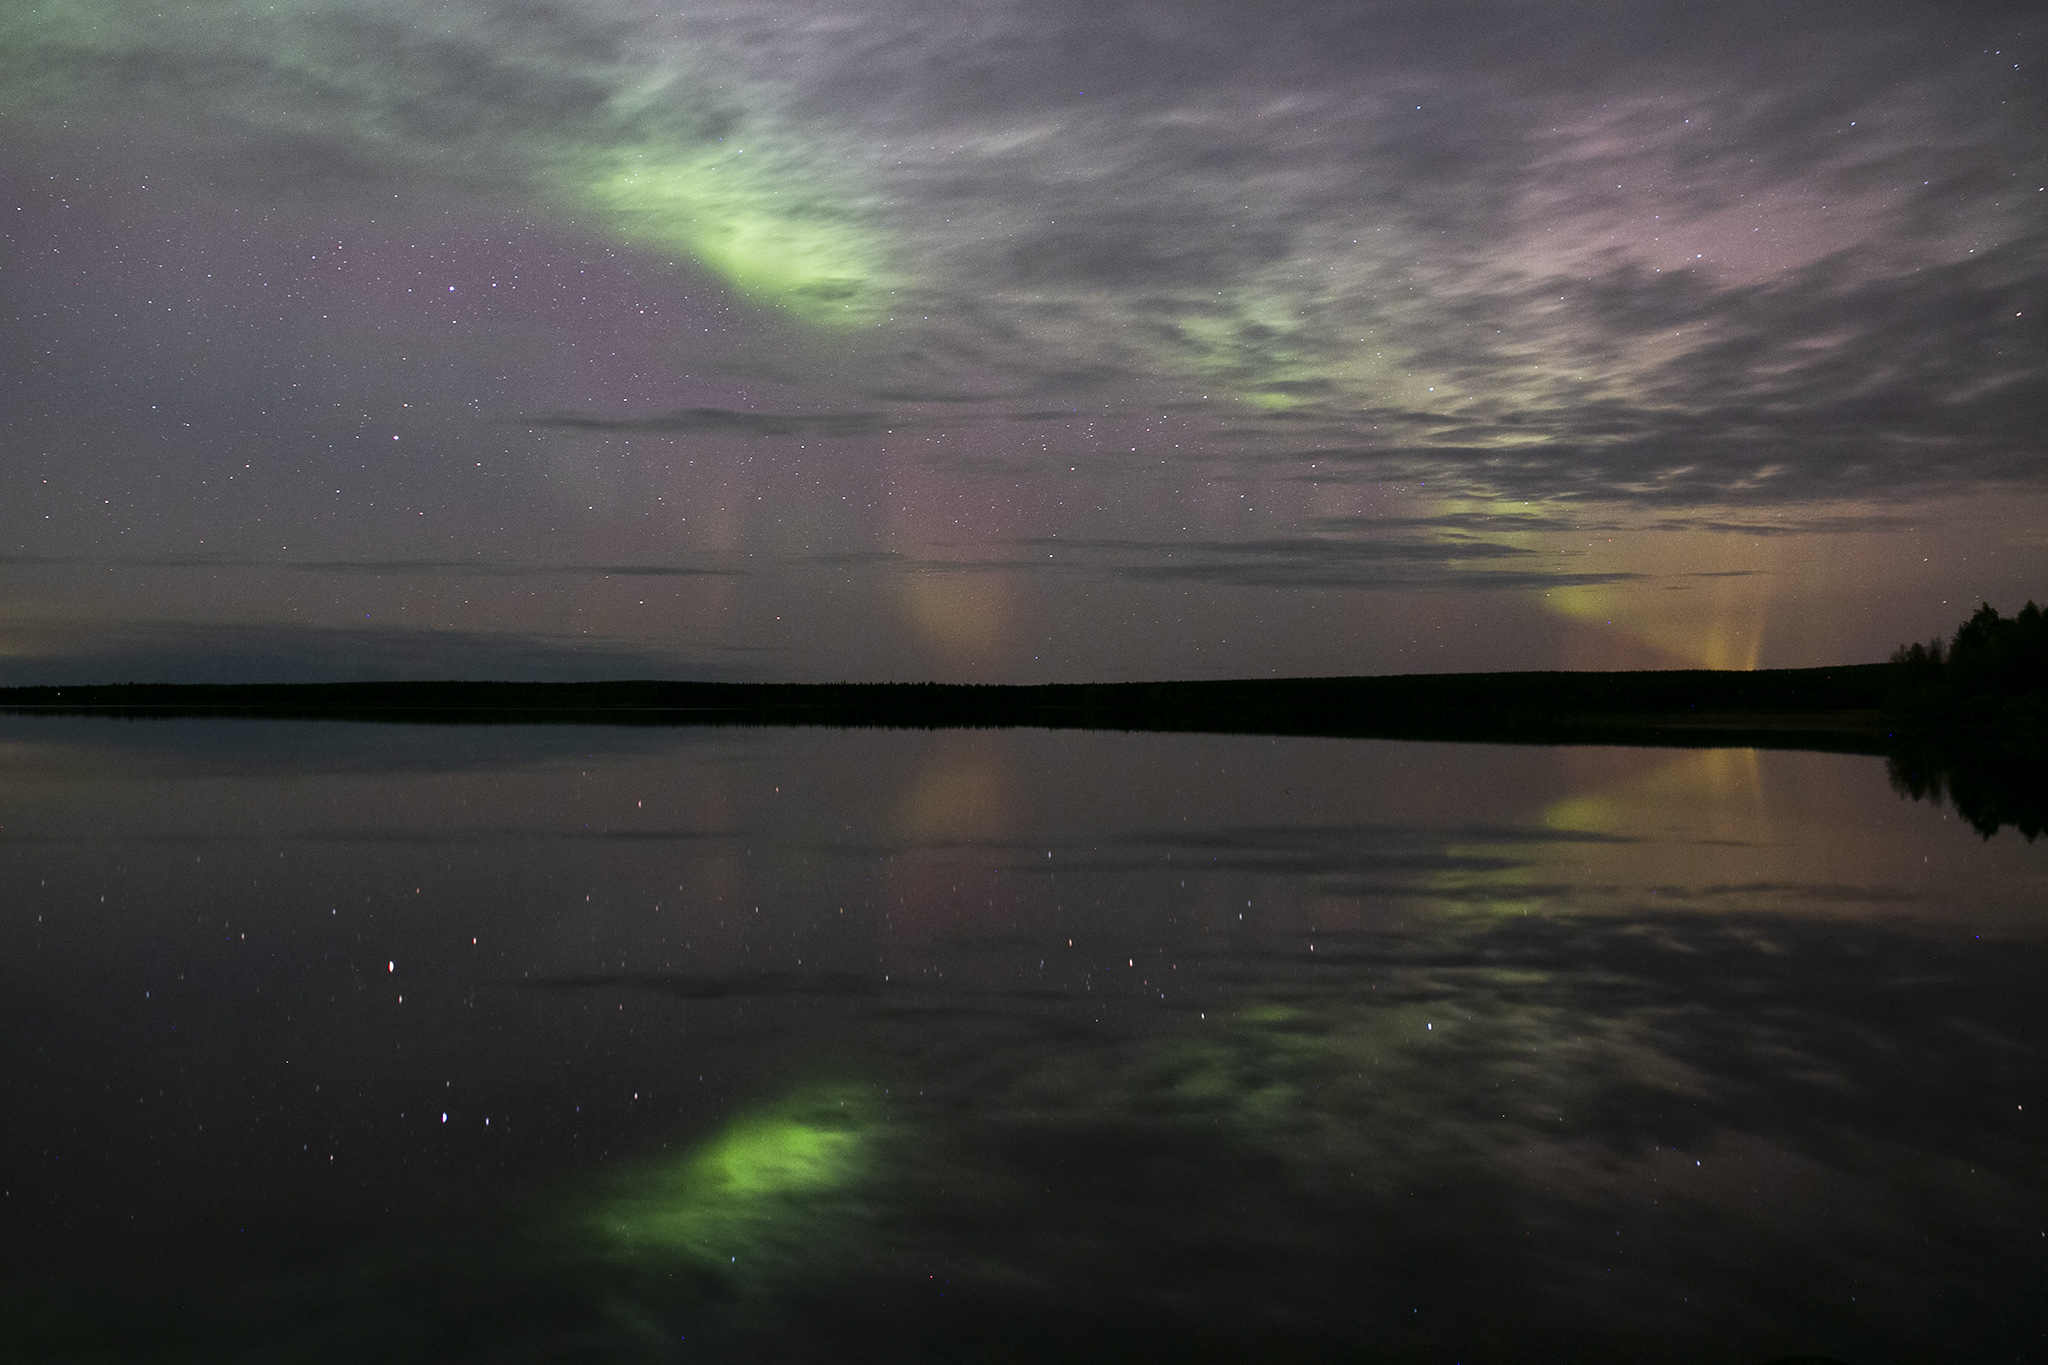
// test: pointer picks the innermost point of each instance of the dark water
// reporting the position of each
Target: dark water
(348, 1042)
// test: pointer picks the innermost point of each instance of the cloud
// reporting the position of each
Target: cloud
(1828, 384)
(1793, 526)
(1293, 561)
(1306, 562)
(1602, 252)
(723, 422)
(1498, 523)
(394, 567)
(41, 652)
(851, 558)
(464, 568)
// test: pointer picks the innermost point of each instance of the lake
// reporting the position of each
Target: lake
(333, 1041)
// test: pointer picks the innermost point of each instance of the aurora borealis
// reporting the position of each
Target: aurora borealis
(1027, 342)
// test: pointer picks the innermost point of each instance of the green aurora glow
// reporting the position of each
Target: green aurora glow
(740, 215)
(663, 171)
(681, 157)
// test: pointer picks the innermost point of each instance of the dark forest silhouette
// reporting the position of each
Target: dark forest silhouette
(1995, 669)
(1972, 718)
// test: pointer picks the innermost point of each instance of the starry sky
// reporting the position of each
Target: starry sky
(1032, 341)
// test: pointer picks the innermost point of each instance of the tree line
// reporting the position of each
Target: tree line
(1972, 718)
(1993, 665)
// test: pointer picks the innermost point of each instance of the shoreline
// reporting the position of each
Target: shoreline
(1833, 708)
(1993, 765)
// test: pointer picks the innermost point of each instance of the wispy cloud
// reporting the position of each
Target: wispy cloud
(723, 422)
(750, 290)
(1296, 561)
(46, 652)
(465, 568)
(1591, 272)
(1793, 526)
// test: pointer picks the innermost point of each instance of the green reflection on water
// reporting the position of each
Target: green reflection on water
(767, 1185)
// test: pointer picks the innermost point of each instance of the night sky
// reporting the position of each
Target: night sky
(1038, 341)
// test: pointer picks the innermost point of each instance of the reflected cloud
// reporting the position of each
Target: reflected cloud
(1052, 1046)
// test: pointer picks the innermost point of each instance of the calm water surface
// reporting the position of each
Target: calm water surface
(352, 1042)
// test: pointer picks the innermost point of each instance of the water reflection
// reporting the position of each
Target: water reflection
(340, 1041)
(1705, 829)
(1991, 787)
(760, 1187)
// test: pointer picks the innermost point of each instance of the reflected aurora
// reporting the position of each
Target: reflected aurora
(770, 1180)
(1122, 1123)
